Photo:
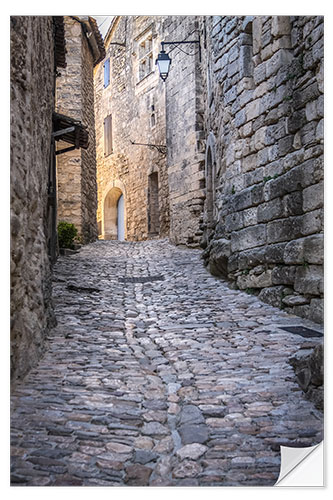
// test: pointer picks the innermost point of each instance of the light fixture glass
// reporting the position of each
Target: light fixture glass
(163, 62)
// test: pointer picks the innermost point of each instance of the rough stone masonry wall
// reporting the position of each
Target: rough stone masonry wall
(185, 137)
(32, 103)
(89, 170)
(76, 170)
(266, 114)
(130, 103)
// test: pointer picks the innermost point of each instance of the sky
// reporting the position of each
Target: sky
(103, 23)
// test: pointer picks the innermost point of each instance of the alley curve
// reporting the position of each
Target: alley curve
(158, 374)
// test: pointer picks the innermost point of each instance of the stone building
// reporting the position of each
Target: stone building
(76, 170)
(185, 130)
(264, 105)
(35, 53)
(39, 135)
(242, 119)
(130, 133)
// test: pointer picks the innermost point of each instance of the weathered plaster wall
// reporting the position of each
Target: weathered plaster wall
(264, 109)
(131, 102)
(32, 103)
(76, 170)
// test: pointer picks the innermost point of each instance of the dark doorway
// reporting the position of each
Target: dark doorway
(153, 205)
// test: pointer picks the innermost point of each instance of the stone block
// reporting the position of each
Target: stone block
(251, 258)
(270, 210)
(280, 26)
(275, 132)
(295, 121)
(320, 131)
(254, 177)
(256, 33)
(259, 73)
(218, 257)
(313, 249)
(309, 280)
(275, 253)
(302, 96)
(250, 216)
(283, 275)
(234, 221)
(294, 252)
(292, 204)
(249, 237)
(282, 43)
(241, 200)
(259, 139)
(272, 295)
(281, 58)
(286, 145)
(309, 370)
(273, 153)
(253, 109)
(233, 68)
(284, 184)
(316, 312)
(253, 280)
(308, 133)
(249, 163)
(245, 39)
(313, 197)
(284, 230)
(257, 194)
(240, 118)
(295, 300)
(312, 222)
(245, 61)
(233, 263)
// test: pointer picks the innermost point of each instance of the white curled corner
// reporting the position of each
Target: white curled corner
(302, 466)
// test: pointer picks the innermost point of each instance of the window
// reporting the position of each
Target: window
(145, 51)
(108, 146)
(107, 73)
(152, 116)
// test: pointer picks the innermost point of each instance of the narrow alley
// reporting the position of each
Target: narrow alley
(158, 374)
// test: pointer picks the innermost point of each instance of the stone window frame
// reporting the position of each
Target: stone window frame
(153, 114)
(145, 46)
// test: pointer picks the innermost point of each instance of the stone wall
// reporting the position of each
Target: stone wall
(76, 170)
(184, 131)
(137, 107)
(263, 92)
(32, 103)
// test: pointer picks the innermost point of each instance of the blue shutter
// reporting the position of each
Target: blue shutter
(106, 73)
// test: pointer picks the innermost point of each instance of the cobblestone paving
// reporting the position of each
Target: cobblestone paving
(174, 381)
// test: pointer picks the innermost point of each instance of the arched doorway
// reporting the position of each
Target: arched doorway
(114, 215)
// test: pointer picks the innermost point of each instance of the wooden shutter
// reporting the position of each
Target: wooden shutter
(108, 135)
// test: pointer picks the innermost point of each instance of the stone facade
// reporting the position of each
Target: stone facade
(185, 131)
(32, 83)
(263, 95)
(130, 108)
(76, 170)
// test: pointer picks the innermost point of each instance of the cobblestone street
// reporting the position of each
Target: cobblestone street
(158, 374)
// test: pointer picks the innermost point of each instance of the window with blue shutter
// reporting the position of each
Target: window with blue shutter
(107, 73)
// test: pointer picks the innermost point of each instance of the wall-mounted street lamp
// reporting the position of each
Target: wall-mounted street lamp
(163, 60)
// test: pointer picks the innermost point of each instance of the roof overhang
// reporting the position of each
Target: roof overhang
(93, 36)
